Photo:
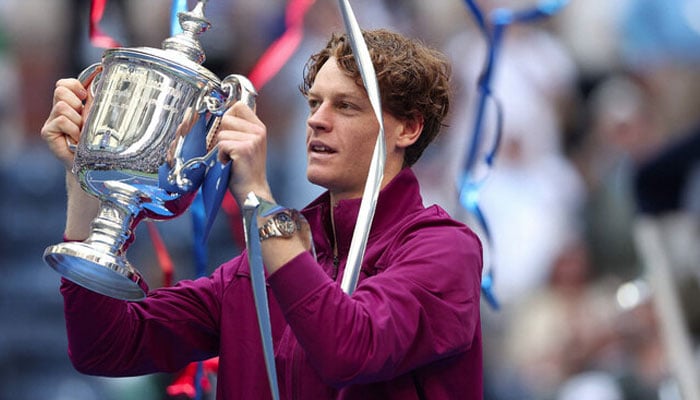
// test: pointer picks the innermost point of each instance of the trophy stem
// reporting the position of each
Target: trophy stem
(111, 228)
(99, 262)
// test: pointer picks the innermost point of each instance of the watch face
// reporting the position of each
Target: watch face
(285, 223)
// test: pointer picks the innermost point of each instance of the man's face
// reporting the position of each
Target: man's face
(342, 132)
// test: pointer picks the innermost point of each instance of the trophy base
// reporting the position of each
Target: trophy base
(100, 272)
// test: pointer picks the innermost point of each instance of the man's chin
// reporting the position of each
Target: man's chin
(317, 179)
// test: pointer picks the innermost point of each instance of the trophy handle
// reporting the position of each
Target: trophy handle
(217, 176)
(88, 76)
(235, 87)
(239, 87)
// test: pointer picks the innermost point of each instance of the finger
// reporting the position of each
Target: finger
(63, 121)
(62, 110)
(74, 86)
(241, 133)
(63, 94)
(67, 110)
(247, 124)
(225, 151)
(68, 104)
(67, 127)
(241, 109)
(235, 145)
(243, 143)
(56, 132)
(60, 136)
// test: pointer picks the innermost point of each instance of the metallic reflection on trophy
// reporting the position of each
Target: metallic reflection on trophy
(145, 149)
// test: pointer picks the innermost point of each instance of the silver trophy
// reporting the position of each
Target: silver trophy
(145, 150)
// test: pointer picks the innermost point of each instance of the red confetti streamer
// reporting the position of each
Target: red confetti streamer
(184, 383)
(279, 52)
(164, 260)
(97, 37)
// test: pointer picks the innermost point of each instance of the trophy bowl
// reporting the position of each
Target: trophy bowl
(145, 150)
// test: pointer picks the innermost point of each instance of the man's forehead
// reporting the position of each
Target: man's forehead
(334, 81)
(348, 93)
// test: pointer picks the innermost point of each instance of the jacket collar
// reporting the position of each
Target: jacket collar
(398, 198)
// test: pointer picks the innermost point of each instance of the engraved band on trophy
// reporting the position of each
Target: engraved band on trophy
(145, 149)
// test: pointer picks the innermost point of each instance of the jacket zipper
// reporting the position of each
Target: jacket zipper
(336, 263)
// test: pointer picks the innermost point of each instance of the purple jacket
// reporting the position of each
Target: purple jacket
(411, 330)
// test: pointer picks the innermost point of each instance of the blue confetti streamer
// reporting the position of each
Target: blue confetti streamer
(493, 29)
(178, 6)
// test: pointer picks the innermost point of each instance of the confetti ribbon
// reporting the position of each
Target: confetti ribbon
(475, 173)
(251, 208)
(164, 260)
(279, 52)
(269, 64)
(194, 379)
(177, 7)
(376, 168)
(97, 37)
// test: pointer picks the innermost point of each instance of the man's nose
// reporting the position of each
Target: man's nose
(320, 118)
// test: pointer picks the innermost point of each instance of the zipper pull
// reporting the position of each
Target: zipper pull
(336, 263)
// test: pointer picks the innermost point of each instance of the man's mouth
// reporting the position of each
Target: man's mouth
(320, 148)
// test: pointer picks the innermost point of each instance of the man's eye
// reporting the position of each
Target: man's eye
(313, 104)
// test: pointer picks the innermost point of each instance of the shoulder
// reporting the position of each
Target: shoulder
(430, 251)
(430, 234)
(434, 221)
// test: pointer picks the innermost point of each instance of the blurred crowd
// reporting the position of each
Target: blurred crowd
(601, 126)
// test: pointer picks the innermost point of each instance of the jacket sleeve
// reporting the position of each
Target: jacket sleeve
(163, 333)
(423, 307)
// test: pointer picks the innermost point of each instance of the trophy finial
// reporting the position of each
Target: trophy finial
(192, 23)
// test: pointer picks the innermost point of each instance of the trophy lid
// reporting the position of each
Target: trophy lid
(186, 42)
(181, 53)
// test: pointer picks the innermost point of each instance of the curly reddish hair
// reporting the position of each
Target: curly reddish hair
(413, 79)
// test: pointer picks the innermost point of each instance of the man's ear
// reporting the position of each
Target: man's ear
(412, 128)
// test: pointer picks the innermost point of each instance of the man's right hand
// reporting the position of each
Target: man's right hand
(70, 104)
(66, 119)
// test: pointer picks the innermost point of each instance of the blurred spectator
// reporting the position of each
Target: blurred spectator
(565, 328)
(622, 131)
(591, 385)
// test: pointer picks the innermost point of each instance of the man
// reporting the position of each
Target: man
(411, 329)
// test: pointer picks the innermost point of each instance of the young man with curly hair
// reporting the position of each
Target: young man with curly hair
(411, 329)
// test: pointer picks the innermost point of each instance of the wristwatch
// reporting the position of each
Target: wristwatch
(282, 224)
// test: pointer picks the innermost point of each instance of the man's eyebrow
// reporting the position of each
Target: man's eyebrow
(355, 97)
